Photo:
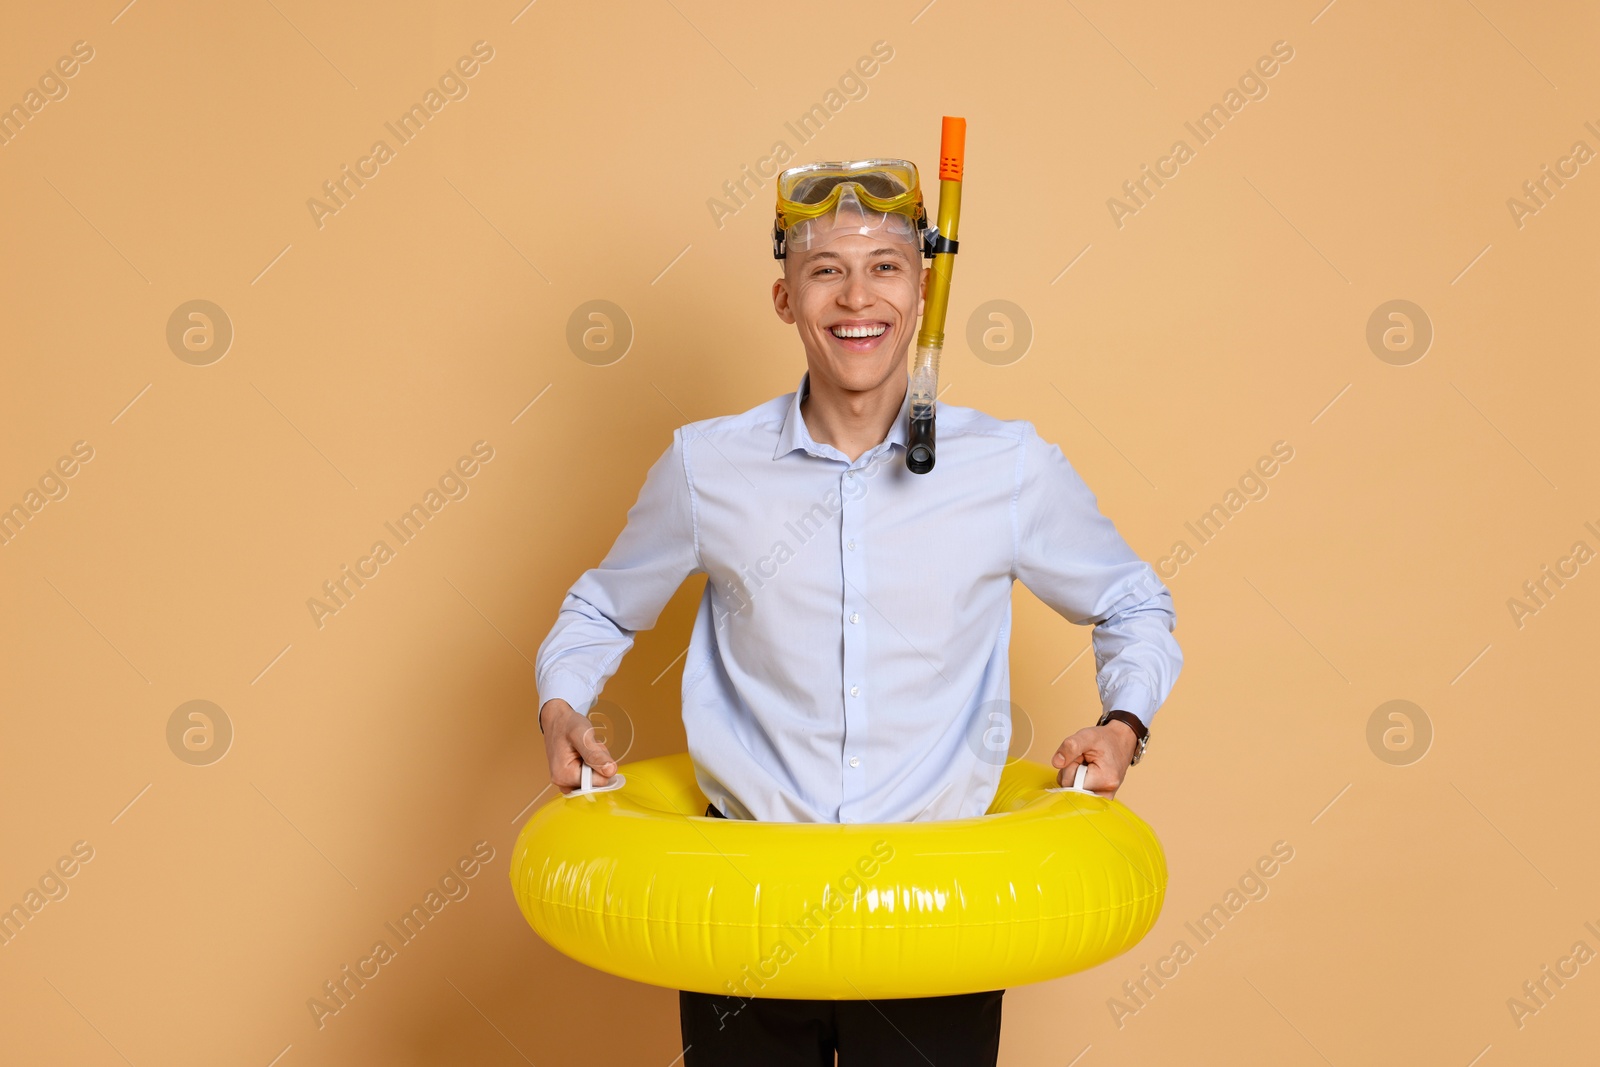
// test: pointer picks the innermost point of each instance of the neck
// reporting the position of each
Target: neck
(852, 421)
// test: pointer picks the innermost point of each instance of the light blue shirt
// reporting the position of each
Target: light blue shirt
(850, 656)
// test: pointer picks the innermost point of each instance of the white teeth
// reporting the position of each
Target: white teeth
(859, 331)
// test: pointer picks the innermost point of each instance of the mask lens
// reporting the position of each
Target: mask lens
(815, 189)
(836, 191)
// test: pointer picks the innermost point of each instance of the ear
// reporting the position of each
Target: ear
(922, 290)
(780, 300)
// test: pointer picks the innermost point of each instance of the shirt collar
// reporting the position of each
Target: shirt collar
(793, 434)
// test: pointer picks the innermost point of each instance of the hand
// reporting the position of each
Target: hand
(1108, 750)
(569, 743)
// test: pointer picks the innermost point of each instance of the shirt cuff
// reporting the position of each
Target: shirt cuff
(1134, 697)
(564, 685)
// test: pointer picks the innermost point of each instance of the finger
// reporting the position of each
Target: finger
(570, 775)
(596, 756)
(595, 753)
(1070, 752)
(567, 762)
(564, 777)
(1102, 780)
(599, 777)
(1069, 773)
(566, 768)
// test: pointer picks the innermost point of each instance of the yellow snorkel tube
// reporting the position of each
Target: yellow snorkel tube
(930, 338)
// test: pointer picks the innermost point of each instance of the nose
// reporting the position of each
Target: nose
(855, 294)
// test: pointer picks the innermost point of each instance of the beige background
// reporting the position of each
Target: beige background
(1229, 313)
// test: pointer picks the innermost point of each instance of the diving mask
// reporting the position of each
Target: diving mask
(819, 201)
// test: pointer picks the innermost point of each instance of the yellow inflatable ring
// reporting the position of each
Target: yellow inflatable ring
(637, 881)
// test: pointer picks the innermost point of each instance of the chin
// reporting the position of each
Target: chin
(860, 375)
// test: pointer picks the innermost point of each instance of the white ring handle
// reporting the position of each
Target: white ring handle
(586, 786)
(1077, 783)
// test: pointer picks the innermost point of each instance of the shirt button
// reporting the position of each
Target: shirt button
(855, 616)
(855, 690)
(851, 545)
(855, 761)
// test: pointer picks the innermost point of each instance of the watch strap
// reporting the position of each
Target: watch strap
(1141, 732)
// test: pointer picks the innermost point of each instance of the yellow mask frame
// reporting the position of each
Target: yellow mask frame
(813, 190)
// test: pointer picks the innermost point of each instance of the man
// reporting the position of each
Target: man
(852, 643)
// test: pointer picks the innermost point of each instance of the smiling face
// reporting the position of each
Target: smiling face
(855, 298)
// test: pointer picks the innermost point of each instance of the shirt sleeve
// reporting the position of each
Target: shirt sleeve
(1071, 557)
(657, 549)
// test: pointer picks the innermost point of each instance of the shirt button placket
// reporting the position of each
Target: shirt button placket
(852, 564)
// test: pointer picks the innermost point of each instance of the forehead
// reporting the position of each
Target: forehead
(851, 247)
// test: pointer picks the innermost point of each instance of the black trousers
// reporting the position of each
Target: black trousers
(733, 1031)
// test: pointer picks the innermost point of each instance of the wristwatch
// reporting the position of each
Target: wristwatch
(1141, 732)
